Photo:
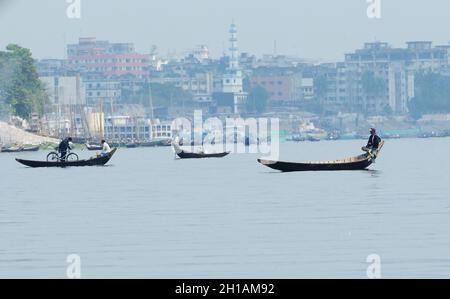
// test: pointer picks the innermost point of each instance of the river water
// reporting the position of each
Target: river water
(149, 215)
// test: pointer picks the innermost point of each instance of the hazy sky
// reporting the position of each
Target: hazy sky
(316, 29)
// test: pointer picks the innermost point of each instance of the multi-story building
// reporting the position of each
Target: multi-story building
(128, 128)
(283, 89)
(111, 59)
(52, 67)
(102, 90)
(287, 88)
(393, 66)
(201, 53)
(307, 89)
(199, 84)
(64, 90)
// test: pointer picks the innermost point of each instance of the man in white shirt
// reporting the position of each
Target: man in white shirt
(106, 149)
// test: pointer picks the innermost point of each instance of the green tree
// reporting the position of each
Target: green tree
(20, 90)
(257, 99)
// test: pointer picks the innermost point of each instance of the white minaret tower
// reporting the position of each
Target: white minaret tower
(234, 50)
(233, 79)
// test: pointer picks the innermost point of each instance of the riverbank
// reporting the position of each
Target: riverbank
(12, 135)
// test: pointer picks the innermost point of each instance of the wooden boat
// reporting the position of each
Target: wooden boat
(182, 154)
(96, 161)
(360, 162)
(189, 155)
(12, 149)
(156, 143)
(31, 149)
(93, 147)
(132, 145)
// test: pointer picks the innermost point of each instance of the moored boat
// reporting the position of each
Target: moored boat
(156, 143)
(95, 161)
(360, 162)
(12, 149)
(31, 149)
(132, 145)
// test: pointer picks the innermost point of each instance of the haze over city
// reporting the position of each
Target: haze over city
(147, 139)
(320, 30)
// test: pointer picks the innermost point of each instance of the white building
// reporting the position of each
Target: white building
(233, 79)
(200, 85)
(307, 88)
(64, 90)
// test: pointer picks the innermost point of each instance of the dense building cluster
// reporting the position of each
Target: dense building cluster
(113, 79)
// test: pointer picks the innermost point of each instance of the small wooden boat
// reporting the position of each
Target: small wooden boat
(96, 161)
(189, 155)
(157, 143)
(31, 149)
(182, 154)
(132, 145)
(14, 149)
(360, 162)
(93, 147)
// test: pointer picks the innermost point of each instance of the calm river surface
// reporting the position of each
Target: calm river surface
(148, 215)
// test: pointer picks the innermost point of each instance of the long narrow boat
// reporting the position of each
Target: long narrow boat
(189, 155)
(182, 154)
(93, 147)
(157, 143)
(31, 149)
(360, 162)
(97, 161)
(11, 149)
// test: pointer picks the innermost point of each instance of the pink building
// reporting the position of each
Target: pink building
(112, 59)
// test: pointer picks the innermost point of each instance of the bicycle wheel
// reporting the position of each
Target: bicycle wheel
(53, 157)
(72, 157)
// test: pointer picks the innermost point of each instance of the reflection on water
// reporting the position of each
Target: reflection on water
(148, 215)
(374, 173)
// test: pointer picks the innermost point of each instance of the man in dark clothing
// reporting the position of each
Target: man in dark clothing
(64, 146)
(373, 144)
(374, 140)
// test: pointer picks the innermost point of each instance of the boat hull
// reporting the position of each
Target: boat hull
(292, 167)
(93, 147)
(82, 163)
(11, 150)
(31, 149)
(360, 162)
(188, 155)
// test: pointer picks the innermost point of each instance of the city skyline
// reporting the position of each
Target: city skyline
(295, 29)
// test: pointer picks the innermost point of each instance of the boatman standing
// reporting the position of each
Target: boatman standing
(106, 149)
